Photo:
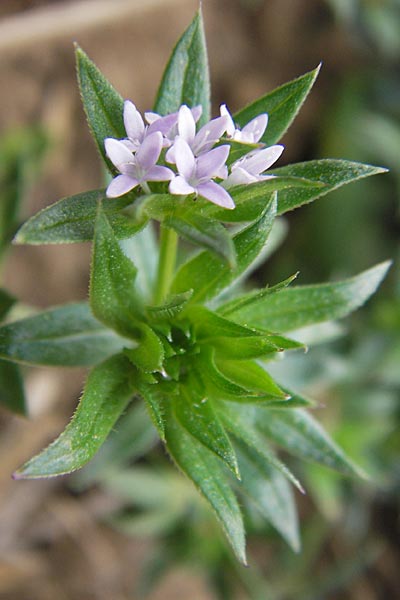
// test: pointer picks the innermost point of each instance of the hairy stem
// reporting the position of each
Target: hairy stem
(166, 262)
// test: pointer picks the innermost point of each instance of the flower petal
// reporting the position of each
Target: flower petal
(120, 185)
(186, 124)
(224, 112)
(216, 194)
(117, 152)
(159, 173)
(180, 186)
(209, 134)
(210, 163)
(184, 159)
(133, 122)
(258, 161)
(239, 176)
(254, 130)
(149, 151)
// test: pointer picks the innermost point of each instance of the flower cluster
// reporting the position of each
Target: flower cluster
(197, 159)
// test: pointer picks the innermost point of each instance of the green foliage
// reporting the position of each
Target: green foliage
(197, 361)
(281, 105)
(102, 104)
(68, 335)
(186, 78)
(108, 390)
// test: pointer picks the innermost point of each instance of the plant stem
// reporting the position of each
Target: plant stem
(166, 262)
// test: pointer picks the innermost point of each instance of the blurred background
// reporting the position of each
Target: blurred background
(93, 536)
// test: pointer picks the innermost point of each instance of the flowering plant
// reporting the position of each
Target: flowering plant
(189, 341)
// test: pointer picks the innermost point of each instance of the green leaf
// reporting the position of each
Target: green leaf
(103, 105)
(270, 493)
(69, 336)
(251, 200)
(186, 78)
(149, 354)
(332, 172)
(219, 385)
(11, 388)
(113, 296)
(297, 306)
(206, 233)
(6, 302)
(155, 401)
(107, 392)
(207, 275)
(142, 249)
(282, 106)
(240, 423)
(231, 339)
(131, 438)
(170, 309)
(208, 475)
(240, 302)
(196, 414)
(72, 220)
(252, 377)
(301, 435)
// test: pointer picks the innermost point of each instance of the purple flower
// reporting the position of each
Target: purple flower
(250, 168)
(250, 133)
(196, 174)
(168, 125)
(136, 169)
(199, 142)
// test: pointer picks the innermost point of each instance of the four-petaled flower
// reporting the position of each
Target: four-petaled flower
(250, 168)
(250, 133)
(200, 164)
(196, 174)
(199, 142)
(136, 169)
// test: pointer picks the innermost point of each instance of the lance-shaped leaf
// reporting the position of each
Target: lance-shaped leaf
(186, 78)
(208, 475)
(142, 249)
(252, 377)
(332, 172)
(195, 412)
(233, 340)
(73, 219)
(107, 392)
(301, 435)
(69, 336)
(113, 296)
(170, 309)
(11, 388)
(155, 400)
(218, 384)
(251, 200)
(208, 275)
(102, 103)
(282, 105)
(239, 421)
(206, 233)
(149, 354)
(294, 307)
(270, 492)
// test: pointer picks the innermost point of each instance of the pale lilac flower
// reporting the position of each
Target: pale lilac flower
(250, 133)
(134, 126)
(168, 125)
(136, 169)
(250, 168)
(199, 142)
(196, 174)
